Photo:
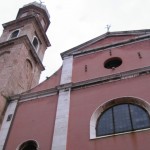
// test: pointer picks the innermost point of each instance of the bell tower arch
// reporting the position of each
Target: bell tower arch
(22, 47)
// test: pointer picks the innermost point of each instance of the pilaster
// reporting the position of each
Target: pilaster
(62, 114)
(7, 122)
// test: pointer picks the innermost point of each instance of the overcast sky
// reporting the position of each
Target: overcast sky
(76, 21)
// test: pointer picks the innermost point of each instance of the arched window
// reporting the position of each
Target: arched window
(29, 145)
(122, 118)
(14, 34)
(35, 43)
(28, 68)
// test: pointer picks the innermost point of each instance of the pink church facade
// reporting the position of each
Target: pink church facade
(74, 109)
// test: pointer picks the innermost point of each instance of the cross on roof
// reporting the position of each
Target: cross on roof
(108, 27)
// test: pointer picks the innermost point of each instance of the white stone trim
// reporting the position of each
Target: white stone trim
(66, 75)
(61, 121)
(36, 97)
(109, 103)
(6, 124)
(62, 114)
(116, 134)
(113, 45)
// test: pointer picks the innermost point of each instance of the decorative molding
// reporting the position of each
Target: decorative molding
(76, 50)
(101, 80)
(34, 95)
(6, 44)
(116, 134)
(113, 77)
(64, 86)
(114, 45)
(28, 42)
(37, 23)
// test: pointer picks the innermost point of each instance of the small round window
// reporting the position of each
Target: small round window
(112, 63)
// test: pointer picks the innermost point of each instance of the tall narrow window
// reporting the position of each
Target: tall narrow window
(28, 68)
(35, 43)
(122, 118)
(14, 34)
(29, 145)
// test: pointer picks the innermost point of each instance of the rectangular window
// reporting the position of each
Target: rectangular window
(9, 117)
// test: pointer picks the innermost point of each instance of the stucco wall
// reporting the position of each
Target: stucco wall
(95, 61)
(34, 120)
(85, 101)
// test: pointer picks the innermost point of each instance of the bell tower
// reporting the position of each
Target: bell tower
(22, 47)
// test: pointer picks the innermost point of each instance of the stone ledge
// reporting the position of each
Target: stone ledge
(114, 45)
(37, 22)
(113, 77)
(87, 83)
(103, 36)
(25, 96)
(31, 48)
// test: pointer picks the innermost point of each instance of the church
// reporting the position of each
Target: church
(97, 100)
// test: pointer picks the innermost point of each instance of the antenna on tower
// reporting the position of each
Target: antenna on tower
(108, 27)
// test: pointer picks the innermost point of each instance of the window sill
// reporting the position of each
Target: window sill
(111, 135)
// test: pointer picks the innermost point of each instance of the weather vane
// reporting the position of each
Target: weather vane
(41, 3)
(108, 27)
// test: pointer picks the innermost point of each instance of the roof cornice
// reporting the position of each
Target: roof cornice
(27, 18)
(83, 84)
(106, 35)
(114, 45)
(31, 48)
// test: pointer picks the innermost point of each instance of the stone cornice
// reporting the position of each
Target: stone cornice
(143, 34)
(34, 95)
(27, 41)
(114, 45)
(32, 18)
(113, 77)
(92, 82)
(64, 86)
(6, 44)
